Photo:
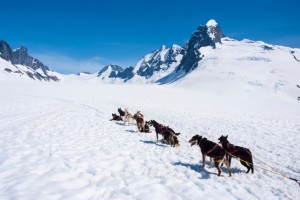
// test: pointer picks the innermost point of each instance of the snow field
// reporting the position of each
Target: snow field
(57, 143)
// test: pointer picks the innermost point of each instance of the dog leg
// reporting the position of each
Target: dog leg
(229, 159)
(210, 162)
(203, 160)
(228, 166)
(217, 164)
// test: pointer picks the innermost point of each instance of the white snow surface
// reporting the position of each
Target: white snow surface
(211, 22)
(57, 142)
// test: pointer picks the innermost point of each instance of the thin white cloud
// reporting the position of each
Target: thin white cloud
(67, 65)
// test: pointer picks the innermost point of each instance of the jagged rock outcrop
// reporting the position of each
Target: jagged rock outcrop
(207, 35)
(160, 60)
(20, 56)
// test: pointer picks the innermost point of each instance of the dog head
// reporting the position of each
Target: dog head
(223, 139)
(134, 116)
(195, 140)
(150, 123)
(147, 124)
(114, 114)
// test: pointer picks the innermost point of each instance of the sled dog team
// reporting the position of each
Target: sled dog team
(218, 153)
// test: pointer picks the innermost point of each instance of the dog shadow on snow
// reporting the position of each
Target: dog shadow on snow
(131, 131)
(121, 123)
(197, 168)
(152, 142)
(205, 174)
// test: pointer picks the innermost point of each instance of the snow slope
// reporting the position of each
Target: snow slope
(57, 142)
(246, 67)
(17, 72)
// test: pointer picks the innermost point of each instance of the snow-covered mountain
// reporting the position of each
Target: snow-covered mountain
(158, 64)
(151, 68)
(204, 36)
(19, 62)
(208, 60)
(114, 73)
(211, 61)
(246, 66)
(166, 65)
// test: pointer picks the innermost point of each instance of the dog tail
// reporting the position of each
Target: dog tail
(177, 133)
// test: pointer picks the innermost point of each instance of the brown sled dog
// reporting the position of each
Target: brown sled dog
(139, 121)
(211, 149)
(241, 153)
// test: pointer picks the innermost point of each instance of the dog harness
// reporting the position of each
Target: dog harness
(161, 129)
(230, 148)
(214, 148)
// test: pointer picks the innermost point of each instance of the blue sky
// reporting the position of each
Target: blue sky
(72, 36)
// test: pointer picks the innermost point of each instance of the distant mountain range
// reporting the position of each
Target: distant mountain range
(168, 64)
(18, 61)
(208, 60)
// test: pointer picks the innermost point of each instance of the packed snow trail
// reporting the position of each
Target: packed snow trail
(58, 143)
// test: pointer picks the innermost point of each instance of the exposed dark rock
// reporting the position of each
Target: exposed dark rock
(160, 59)
(267, 48)
(126, 74)
(8, 70)
(20, 56)
(200, 38)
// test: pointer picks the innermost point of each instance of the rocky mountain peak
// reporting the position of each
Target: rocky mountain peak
(5, 51)
(207, 35)
(214, 31)
(110, 70)
(20, 56)
(22, 49)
